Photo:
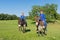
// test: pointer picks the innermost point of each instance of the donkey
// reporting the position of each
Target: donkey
(22, 25)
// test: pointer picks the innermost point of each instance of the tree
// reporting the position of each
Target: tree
(50, 11)
(8, 17)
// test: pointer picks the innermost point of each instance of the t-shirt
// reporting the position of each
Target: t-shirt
(42, 17)
(22, 17)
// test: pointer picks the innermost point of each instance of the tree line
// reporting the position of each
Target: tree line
(7, 17)
(50, 10)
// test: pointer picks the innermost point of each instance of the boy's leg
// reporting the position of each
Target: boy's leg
(45, 29)
(25, 23)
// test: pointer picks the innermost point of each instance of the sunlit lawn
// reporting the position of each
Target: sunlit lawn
(9, 31)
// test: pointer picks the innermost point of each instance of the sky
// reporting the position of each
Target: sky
(18, 6)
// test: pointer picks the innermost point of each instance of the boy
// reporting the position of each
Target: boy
(22, 21)
(42, 20)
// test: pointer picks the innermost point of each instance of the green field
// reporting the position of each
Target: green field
(9, 31)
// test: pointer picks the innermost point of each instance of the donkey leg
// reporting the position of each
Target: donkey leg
(24, 28)
(39, 30)
(45, 31)
(19, 27)
(37, 26)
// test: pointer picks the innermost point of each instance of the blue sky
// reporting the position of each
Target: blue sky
(18, 6)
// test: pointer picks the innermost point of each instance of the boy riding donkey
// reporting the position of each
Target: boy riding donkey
(22, 23)
(41, 23)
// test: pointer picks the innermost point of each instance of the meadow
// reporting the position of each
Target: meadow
(9, 31)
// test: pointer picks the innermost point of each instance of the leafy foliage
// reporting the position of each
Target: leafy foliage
(50, 10)
(8, 17)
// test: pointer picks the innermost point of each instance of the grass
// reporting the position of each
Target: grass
(9, 31)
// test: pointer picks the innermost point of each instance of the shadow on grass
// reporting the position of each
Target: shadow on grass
(33, 22)
(27, 30)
